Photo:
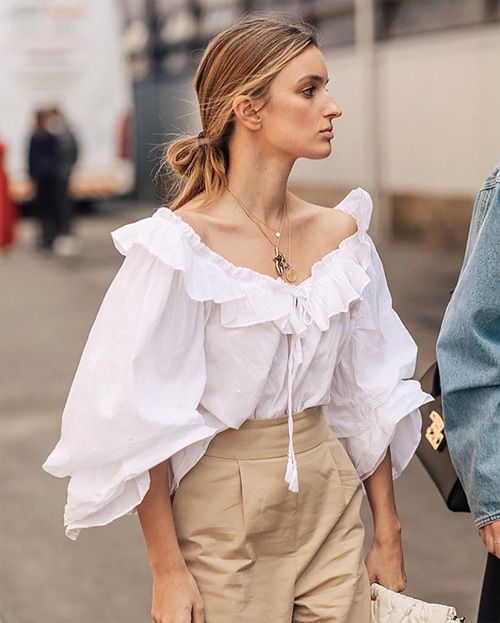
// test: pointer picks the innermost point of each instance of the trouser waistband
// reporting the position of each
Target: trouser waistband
(266, 438)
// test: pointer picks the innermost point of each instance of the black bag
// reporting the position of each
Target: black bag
(432, 450)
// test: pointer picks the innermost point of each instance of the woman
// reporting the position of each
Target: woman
(42, 167)
(225, 372)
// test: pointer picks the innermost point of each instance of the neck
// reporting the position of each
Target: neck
(259, 181)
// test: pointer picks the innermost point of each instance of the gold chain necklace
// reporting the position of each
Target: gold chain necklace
(280, 262)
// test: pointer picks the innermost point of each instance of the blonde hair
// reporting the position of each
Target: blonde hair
(241, 60)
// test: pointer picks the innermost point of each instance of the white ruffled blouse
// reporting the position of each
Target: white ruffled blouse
(187, 344)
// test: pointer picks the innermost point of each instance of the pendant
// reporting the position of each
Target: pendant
(279, 261)
(282, 266)
(291, 274)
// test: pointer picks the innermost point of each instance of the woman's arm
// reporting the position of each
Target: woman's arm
(385, 558)
(468, 352)
(157, 523)
(175, 593)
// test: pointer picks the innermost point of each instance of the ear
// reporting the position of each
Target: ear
(246, 110)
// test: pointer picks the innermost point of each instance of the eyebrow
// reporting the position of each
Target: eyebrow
(314, 77)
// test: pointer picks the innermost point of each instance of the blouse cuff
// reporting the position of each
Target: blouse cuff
(396, 423)
(100, 494)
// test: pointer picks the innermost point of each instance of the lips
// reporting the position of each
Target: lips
(329, 129)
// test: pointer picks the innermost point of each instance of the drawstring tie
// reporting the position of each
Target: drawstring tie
(294, 360)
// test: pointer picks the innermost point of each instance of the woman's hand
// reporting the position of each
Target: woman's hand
(384, 561)
(176, 598)
(490, 536)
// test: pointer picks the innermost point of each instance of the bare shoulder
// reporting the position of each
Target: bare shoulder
(335, 225)
(343, 224)
(190, 213)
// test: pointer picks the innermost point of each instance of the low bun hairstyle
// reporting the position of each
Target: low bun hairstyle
(241, 60)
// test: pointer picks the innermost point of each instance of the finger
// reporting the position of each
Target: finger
(198, 614)
(394, 583)
(496, 542)
(372, 577)
(397, 586)
(482, 535)
(490, 545)
(495, 530)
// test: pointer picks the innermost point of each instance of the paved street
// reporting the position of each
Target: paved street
(47, 308)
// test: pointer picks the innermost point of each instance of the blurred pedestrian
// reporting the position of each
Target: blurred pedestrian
(468, 352)
(67, 154)
(8, 209)
(42, 168)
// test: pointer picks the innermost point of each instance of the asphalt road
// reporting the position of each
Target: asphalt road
(47, 307)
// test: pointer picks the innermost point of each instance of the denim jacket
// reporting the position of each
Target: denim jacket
(468, 354)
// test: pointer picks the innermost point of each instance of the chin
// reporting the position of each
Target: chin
(317, 154)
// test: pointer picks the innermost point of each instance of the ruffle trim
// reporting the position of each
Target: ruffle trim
(248, 297)
(99, 494)
(395, 424)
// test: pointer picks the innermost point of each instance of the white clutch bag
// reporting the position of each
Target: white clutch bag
(391, 607)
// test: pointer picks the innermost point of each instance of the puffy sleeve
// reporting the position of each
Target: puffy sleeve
(374, 402)
(133, 400)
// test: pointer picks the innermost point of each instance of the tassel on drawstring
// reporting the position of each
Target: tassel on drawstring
(292, 476)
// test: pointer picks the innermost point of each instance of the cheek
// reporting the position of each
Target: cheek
(299, 112)
(293, 118)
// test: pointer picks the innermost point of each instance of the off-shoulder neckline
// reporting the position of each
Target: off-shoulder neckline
(249, 274)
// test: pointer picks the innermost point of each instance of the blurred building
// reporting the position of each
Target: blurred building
(67, 54)
(416, 80)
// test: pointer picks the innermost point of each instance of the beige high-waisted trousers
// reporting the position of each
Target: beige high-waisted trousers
(261, 553)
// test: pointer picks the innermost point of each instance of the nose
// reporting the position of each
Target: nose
(334, 111)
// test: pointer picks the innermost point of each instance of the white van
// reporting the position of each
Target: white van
(67, 53)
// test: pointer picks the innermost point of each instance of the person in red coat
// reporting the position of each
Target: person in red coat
(8, 209)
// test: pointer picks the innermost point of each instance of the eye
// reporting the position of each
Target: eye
(309, 90)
